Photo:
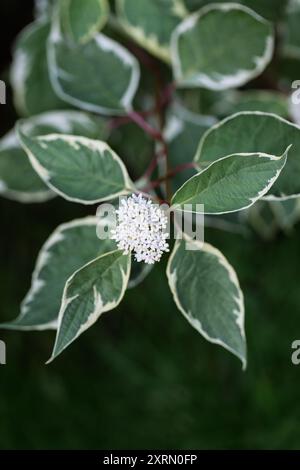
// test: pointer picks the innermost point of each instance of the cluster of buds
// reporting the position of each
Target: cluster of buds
(141, 229)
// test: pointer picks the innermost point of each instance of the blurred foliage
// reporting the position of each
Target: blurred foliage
(142, 377)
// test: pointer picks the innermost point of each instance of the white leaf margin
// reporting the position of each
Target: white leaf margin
(136, 281)
(63, 119)
(224, 82)
(92, 144)
(179, 117)
(260, 194)
(42, 260)
(10, 141)
(197, 158)
(195, 323)
(150, 42)
(21, 66)
(106, 44)
(99, 307)
(97, 26)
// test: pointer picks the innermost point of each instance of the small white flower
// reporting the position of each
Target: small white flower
(141, 229)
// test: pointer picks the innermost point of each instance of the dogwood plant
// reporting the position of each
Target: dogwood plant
(139, 103)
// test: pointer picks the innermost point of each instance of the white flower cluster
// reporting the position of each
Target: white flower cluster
(141, 229)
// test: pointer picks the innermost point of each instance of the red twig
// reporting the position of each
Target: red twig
(143, 124)
(153, 164)
(123, 120)
(166, 95)
(156, 135)
(163, 97)
(169, 175)
(164, 100)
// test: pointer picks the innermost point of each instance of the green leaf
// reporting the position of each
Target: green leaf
(267, 218)
(18, 180)
(271, 9)
(150, 24)
(202, 101)
(93, 290)
(292, 33)
(70, 247)
(230, 184)
(78, 169)
(220, 47)
(256, 132)
(287, 213)
(100, 76)
(254, 100)
(134, 146)
(84, 19)
(67, 122)
(206, 290)
(261, 219)
(33, 93)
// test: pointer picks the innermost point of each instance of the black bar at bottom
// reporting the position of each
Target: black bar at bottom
(132, 459)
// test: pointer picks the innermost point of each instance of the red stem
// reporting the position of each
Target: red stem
(164, 100)
(143, 124)
(153, 164)
(170, 174)
(167, 93)
(123, 120)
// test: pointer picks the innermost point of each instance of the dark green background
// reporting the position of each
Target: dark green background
(142, 377)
